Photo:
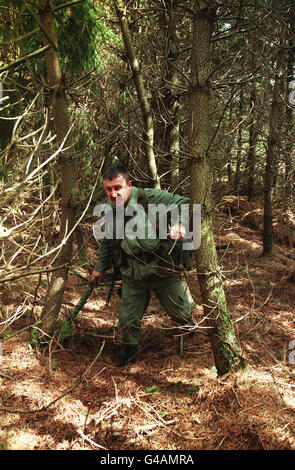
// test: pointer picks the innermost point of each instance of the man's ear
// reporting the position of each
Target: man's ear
(129, 184)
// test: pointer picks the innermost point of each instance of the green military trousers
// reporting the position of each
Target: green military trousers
(173, 294)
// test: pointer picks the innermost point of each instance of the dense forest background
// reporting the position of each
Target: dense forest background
(195, 97)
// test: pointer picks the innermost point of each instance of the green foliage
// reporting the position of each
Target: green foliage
(14, 19)
(152, 389)
(54, 364)
(78, 29)
(65, 330)
(189, 390)
(6, 335)
(83, 261)
(34, 338)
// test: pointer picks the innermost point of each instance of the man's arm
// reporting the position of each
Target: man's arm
(103, 263)
(158, 196)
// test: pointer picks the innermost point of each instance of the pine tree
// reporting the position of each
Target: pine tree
(220, 325)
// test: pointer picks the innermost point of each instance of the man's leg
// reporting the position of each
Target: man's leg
(133, 302)
(175, 297)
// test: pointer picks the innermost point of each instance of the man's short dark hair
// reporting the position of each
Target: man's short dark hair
(114, 171)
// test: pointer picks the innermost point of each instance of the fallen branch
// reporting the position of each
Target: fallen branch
(85, 438)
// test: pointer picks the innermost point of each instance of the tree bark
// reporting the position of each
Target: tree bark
(254, 42)
(172, 144)
(239, 144)
(142, 96)
(290, 137)
(58, 109)
(252, 143)
(272, 150)
(220, 325)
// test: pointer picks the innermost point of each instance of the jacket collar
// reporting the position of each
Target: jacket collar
(134, 196)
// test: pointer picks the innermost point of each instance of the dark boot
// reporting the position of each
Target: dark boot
(127, 355)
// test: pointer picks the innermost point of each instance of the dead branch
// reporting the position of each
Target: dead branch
(24, 59)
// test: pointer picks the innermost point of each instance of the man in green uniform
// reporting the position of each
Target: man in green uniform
(147, 262)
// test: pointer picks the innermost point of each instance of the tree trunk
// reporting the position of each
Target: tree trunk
(220, 325)
(142, 97)
(254, 42)
(290, 137)
(252, 143)
(272, 150)
(172, 145)
(58, 108)
(239, 145)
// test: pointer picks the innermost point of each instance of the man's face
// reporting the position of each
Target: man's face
(118, 190)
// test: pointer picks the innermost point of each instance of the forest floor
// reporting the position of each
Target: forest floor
(75, 397)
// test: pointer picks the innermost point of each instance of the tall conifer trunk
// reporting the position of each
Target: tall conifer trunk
(251, 158)
(58, 109)
(218, 319)
(252, 144)
(271, 154)
(171, 100)
(290, 132)
(239, 144)
(142, 96)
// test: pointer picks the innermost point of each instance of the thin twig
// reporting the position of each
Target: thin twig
(45, 408)
(24, 59)
(266, 348)
(86, 438)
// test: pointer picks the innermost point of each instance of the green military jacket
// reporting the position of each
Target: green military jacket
(146, 256)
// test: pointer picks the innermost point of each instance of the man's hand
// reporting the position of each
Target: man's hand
(96, 277)
(177, 231)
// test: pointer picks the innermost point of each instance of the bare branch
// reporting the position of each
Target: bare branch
(67, 4)
(19, 38)
(25, 58)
